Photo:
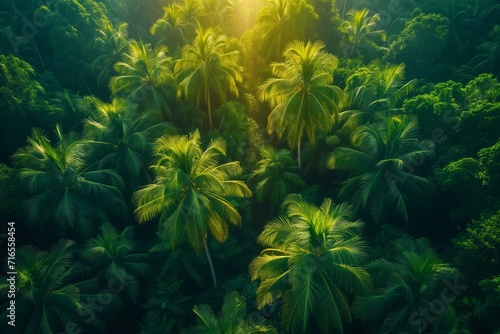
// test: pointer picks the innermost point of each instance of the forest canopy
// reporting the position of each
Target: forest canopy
(250, 166)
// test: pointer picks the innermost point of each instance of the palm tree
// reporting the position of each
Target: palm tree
(171, 29)
(276, 21)
(389, 85)
(312, 264)
(144, 76)
(233, 318)
(362, 32)
(378, 88)
(112, 255)
(301, 93)
(275, 176)
(63, 189)
(190, 192)
(385, 86)
(382, 164)
(73, 110)
(219, 13)
(48, 293)
(111, 43)
(415, 282)
(193, 13)
(207, 67)
(122, 138)
(117, 10)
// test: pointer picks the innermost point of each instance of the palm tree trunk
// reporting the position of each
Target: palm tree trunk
(298, 153)
(87, 85)
(207, 98)
(210, 263)
(39, 55)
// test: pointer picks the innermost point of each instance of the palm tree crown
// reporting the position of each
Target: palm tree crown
(64, 190)
(191, 190)
(219, 13)
(233, 318)
(301, 93)
(114, 257)
(313, 262)
(362, 31)
(275, 176)
(144, 76)
(112, 43)
(409, 285)
(275, 18)
(48, 293)
(122, 138)
(172, 28)
(207, 67)
(382, 163)
(374, 90)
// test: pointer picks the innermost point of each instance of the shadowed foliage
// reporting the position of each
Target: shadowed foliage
(275, 176)
(122, 138)
(65, 195)
(113, 258)
(414, 293)
(49, 293)
(382, 163)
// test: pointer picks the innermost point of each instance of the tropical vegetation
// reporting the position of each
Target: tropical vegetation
(250, 166)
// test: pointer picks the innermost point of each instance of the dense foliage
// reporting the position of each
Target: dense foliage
(251, 166)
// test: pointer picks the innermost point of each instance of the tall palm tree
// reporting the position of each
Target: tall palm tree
(144, 76)
(219, 13)
(171, 29)
(275, 18)
(191, 192)
(378, 88)
(113, 256)
(301, 93)
(193, 13)
(48, 292)
(389, 85)
(382, 165)
(312, 264)
(362, 32)
(122, 138)
(275, 176)
(111, 43)
(233, 318)
(208, 68)
(63, 189)
(415, 282)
